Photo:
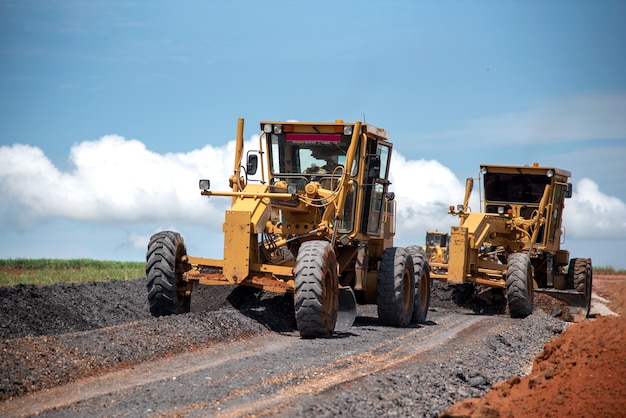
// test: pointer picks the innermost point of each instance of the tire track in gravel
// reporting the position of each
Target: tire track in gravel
(389, 354)
(140, 375)
(253, 377)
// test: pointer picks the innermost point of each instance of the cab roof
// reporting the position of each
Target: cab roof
(336, 126)
(524, 169)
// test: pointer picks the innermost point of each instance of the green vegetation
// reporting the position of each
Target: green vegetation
(608, 270)
(45, 271)
(49, 271)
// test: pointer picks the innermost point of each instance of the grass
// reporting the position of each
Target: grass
(48, 271)
(608, 270)
(45, 271)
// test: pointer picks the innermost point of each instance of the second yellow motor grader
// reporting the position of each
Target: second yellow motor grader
(515, 242)
(317, 221)
(436, 247)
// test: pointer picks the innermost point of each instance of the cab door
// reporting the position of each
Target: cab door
(376, 187)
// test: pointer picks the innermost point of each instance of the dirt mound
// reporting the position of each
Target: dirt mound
(53, 309)
(582, 373)
(54, 334)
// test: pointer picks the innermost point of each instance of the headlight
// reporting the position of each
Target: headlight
(500, 210)
(483, 170)
(204, 184)
(278, 129)
(550, 173)
(267, 128)
(347, 130)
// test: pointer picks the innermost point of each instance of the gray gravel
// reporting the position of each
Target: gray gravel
(436, 383)
(51, 335)
(55, 334)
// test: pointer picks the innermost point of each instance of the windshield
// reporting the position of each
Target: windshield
(522, 188)
(308, 153)
(436, 239)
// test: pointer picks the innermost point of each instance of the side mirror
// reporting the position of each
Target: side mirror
(568, 190)
(252, 164)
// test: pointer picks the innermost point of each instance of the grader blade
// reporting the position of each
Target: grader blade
(347, 309)
(579, 303)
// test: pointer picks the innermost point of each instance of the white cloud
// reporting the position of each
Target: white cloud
(591, 214)
(119, 181)
(424, 190)
(139, 241)
(112, 180)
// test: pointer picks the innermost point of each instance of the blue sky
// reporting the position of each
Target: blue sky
(111, 110)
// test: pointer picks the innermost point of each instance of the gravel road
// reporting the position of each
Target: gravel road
(96, 351)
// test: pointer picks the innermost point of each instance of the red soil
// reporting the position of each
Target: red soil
(580, 374)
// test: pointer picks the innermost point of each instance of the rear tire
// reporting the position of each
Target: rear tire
(316, 297)
(582, 276)
(519, 285)
(396, 287)
(423, 283)
(164, 274)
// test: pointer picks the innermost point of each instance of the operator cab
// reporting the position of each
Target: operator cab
(517, 191)
(303, 152)
(300, 153)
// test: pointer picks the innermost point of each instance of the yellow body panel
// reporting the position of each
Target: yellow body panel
(457, 267)
(237, 228)
(256, 206)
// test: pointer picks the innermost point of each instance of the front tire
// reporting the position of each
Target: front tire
(423, 283)
(519, 285)
(164, 274)
(316, 297)
(396, 287)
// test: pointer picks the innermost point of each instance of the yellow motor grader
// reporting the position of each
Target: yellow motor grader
(515, 243)
(311, 215)
(436, 247)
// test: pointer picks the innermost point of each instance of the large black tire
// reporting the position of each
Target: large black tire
(581, 274)
(396, 287)
(164, 274)
(519, 285)
(316, 298)
(423, 283)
